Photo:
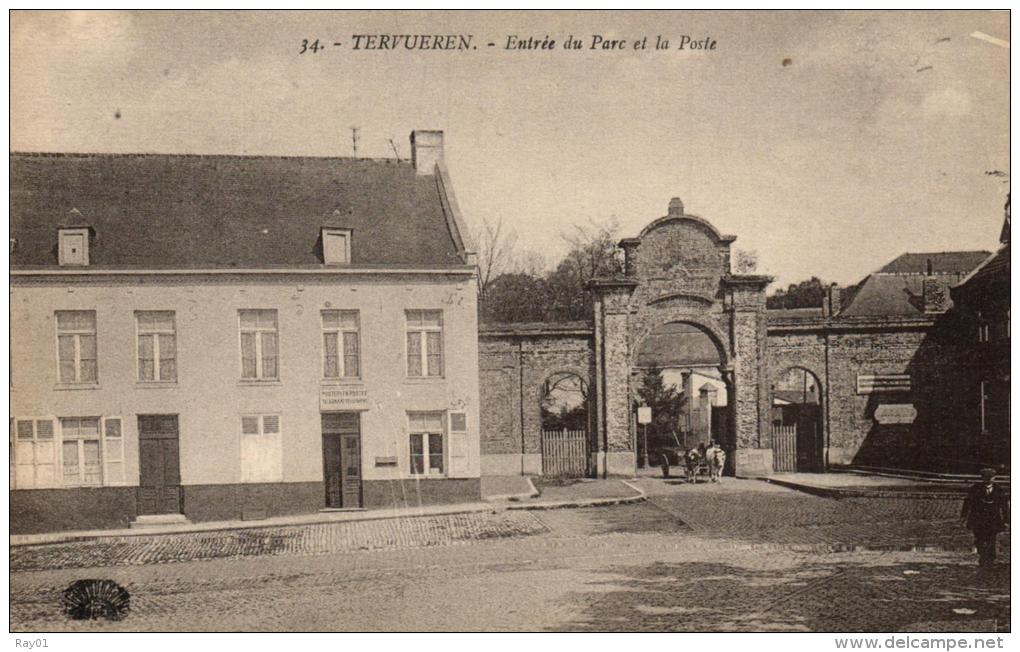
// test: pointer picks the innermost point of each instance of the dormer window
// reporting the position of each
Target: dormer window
(336, 246)
(74, 246)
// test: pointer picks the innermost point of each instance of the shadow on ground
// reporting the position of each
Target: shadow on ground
(876, 595)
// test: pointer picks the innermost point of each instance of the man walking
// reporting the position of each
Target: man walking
(986, 513)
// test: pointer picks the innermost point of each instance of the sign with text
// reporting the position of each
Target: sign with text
(644, 415)
(343, 398)
(894, 413)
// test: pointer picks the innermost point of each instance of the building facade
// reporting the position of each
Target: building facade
(230, 337)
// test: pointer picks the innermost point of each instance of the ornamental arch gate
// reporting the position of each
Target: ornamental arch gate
(677, 270)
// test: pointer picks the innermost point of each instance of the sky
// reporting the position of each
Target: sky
(827, 142)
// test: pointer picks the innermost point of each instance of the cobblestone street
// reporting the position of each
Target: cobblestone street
(740, 556)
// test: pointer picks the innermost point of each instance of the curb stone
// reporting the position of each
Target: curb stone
(590, 502)
(841, 492)
(515, 497)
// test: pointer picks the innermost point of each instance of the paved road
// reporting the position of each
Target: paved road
(741, 556)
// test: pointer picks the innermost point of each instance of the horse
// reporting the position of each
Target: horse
(716, 458)
(692, 460)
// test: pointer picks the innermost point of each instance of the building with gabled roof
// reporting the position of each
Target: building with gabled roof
(237, 337)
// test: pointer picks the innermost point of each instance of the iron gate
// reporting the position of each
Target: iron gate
(784, 448)
(565, 453)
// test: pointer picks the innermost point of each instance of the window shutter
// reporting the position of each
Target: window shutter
(113, 451)
(35, 454)
(261, 449)
(458, 434)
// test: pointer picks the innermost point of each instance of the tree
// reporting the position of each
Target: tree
(806, 294)
(513, 286)
(593, 253)
(496, 253)
(745, 261)
(514, 298)
(665, 403)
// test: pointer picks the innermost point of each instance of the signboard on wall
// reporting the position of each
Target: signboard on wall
(334, 399)
(644, 415)
(895, 413)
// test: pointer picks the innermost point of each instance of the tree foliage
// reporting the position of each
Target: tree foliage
(523, 292)
(806, 294)
(665, 403)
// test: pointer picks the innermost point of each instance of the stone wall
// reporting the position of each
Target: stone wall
(515, 361)
(932, 352)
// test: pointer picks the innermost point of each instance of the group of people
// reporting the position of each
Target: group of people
(712, 455)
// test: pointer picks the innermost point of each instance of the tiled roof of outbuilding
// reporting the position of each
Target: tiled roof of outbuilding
(897, 289)
(943, 262)
(157, 211)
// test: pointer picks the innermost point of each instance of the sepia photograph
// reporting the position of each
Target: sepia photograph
(510, 321)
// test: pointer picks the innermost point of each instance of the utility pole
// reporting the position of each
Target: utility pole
(354, 139)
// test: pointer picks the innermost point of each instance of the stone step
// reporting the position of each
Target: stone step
(156, 520)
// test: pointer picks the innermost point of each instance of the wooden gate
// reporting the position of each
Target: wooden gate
(565, 453)
(784, 448)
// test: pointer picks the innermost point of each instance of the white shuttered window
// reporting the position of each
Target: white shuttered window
(35, 454)
(261, 448)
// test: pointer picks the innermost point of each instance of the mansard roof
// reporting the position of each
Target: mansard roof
(160, 211)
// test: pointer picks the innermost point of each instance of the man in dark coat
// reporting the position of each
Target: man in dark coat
(986, 513)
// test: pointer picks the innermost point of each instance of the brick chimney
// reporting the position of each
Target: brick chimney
(426, 150)
(832, 302)
(935, 295)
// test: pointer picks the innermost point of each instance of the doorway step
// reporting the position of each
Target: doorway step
(157, 520)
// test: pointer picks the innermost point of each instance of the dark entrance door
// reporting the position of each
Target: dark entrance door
(341, 458)
(809, 438)
(159, 486)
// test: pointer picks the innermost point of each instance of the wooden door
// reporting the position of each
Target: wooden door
(350, 470)
(331, 470)
(341, 458)
(159, 486)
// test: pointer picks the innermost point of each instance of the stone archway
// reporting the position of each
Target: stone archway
(796, 413)
(689, 358)
(678, 270)
(566, 425)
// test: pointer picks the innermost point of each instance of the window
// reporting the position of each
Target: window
(424, 343)
(261, 448)
(35, 454)
(341, 349)
(259, 356)
(427, 435)
(157, 346)
(74, 247)
(336, 246)
(983, 332)
(76, 346)
(80, 451)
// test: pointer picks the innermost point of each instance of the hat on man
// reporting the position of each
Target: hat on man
(987, 473)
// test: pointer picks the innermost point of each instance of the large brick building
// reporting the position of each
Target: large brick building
(226, 337)
(889, 374)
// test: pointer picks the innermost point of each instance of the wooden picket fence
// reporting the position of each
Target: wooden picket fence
(565, 453)
(784, 448)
